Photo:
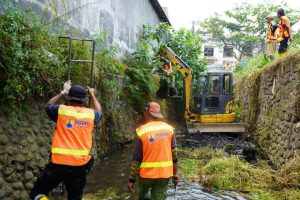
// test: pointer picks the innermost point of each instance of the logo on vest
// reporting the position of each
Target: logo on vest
(151, 139)
(70, 123)
(77, 123)
(156, 136)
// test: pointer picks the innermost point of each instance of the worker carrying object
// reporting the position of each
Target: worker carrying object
(71, 143)
(271, 37)
(285, 31)
(154, 156)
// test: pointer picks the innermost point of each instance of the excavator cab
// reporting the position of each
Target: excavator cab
(213, 93)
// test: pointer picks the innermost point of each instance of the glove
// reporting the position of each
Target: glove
(67, 86)
(91, 91)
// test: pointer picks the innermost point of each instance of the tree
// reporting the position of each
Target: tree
(185, 43)
(243, 27)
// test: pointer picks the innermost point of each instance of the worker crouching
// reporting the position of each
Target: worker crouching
(154, 156)
(71, 143)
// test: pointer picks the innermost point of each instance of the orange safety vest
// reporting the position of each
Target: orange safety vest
(72, 139)
(283, 33)
(271, 36)
(156, 137)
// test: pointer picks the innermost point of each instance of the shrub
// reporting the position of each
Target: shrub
(31, 61)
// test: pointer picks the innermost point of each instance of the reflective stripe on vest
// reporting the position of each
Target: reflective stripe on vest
(75, 114)
(154, 128)
(156, 164)
(73, 152)
(72, 139)
(156, 138)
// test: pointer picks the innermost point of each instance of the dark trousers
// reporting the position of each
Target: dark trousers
(153, 189)
(73, 177)
(283, 46)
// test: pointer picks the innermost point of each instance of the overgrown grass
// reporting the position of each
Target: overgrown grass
(215, 170)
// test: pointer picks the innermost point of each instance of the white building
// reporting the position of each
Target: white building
(218, 55)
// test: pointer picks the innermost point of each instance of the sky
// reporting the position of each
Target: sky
(182, 13)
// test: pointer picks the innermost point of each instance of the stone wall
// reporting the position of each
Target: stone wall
(26, 134)
(122, 19)
(270, 99)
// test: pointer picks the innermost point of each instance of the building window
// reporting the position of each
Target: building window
(228, 52)
(208, 51)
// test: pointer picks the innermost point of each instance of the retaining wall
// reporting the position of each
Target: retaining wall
(270, 99)
(26, 135)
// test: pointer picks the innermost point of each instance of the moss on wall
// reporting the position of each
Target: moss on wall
(270, 100)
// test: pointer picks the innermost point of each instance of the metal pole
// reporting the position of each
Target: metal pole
(70, 58)
(92, 65)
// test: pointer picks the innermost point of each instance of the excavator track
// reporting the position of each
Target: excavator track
(194, 128)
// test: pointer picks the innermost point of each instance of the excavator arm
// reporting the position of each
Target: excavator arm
(186, 72)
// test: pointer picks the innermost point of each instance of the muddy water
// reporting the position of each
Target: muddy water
(112, 175)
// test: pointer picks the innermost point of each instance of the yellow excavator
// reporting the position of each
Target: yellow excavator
(210, 108)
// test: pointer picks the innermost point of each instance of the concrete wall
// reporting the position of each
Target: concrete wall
(270, 99)
(122, 19)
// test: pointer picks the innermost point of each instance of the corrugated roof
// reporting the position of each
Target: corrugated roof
(159, 11)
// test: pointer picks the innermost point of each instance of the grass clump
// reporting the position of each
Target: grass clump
(213, 169)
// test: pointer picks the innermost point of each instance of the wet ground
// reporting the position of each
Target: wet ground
(108, 180)
(112, 175)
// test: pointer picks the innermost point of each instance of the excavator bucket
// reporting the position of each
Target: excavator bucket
(165, 91)
(194, 128)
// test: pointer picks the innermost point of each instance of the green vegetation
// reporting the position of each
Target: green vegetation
(185, 43)
(214, 169)
(243, 27)
(30, 58)
(249, 65)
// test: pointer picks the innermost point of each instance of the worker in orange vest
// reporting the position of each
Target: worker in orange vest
(271, 37)
(71, 143)
(167, 66)
(285, 31)
(154, 156)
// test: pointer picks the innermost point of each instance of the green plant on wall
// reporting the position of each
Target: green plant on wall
(30, 57)
(140, 82)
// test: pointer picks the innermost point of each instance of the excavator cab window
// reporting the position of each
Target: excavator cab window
(212, 94)
(213, 85)
(226, 84)
(201, 85)
(198, 94)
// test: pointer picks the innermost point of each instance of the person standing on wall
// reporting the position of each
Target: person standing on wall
(154, 156)
(285, 31)
(71, 143)
(271, 38)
